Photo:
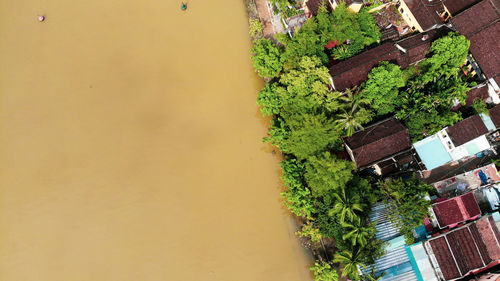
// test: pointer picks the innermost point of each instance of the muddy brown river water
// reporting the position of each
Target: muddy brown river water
(130, 146)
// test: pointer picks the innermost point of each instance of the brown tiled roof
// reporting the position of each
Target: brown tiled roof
(379, 141)
(426, 12)
(313, 5)
(476, 18)
(417, 46)
(353, 71)
(495, 115)
(467, 130)
(477, 93)
(457, 6)
(456, 210)
(466, 249)
(485, 47)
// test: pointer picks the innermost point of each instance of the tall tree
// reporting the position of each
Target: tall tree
(406, 202)
(346, 205)
(350, 261)
(382, 87)
(326, 173)
(267, 58)
(310, 134)
(324, 272)
(359, 233)
(353, 113)
(298, 198)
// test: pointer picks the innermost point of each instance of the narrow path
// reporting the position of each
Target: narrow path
(265, 17)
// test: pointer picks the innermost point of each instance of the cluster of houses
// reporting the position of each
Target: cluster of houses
(461, 237)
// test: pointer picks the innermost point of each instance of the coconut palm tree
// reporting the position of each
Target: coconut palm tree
(346, 206)
(359, 234)
(373, 276)
(350, 261)
(353, 113)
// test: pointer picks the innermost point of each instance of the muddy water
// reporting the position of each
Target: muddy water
(130, 146)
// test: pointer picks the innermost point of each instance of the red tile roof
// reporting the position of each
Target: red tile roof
(495, 115)
(456, 210)
(378, 142)
(467, 130)
(481, 25)
(457, 6)
(466, 249)
(353, 71)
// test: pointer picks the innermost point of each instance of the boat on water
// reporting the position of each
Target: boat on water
(184, 6)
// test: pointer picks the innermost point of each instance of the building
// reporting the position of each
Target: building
(469, 180)
(449, 213)
(405, 52)
(421, 15)
(378, 143)
(481, 25)
(462, 140)
(465, 250)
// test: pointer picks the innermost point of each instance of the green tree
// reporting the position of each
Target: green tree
(480, 106)
(406, 202)
(270, 99)
(350, 261)
(267, 58)
(382, 87)
(255, 28)
(298, 198)
(359, 233)
(310, 231)
(373, 276)
(324, 272)
(310, 134)
(326, 172)
(346, 205)
(353, 114)
(278, 133)
(447, 55)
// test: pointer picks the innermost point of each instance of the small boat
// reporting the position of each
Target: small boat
(184, 6)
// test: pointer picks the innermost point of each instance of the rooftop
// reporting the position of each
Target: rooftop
(426, 12)
(481, 25)
(467, 130)
(495, 115)
(456, 210)
(457, 6)
(466, 249)
(378, 142)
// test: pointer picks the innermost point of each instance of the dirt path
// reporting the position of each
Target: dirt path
(265, 17)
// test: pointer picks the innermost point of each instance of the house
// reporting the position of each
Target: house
(421, 15)
(465, 250)
(451, 212)
(481, 25)
(405, 52)
(377, 143)
(454, 7)
(495, 115)
(462, 140)
(396, 263)
(469, 180)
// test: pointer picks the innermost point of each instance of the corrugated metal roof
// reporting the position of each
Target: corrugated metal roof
(385, 229)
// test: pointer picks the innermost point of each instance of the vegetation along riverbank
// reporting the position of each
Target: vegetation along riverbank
(314, 115)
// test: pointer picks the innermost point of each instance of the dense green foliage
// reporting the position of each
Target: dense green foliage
(407, 203)
(255, 29)
(342, 25)
(297, 196)
(267, 58)
(382, 87)
(327, 173)
(309, 121)
(324, 272)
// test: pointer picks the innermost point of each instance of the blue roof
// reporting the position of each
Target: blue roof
(432, 152)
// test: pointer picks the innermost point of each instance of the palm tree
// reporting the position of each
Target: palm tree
(346, 206)
(353, 113)
(351, 262)
(373, 276)
(359, 234)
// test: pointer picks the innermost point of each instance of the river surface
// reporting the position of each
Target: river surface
(131, 146)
